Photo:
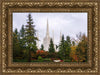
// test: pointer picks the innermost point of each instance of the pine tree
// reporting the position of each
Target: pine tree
(62, 49)
(73, 43)
(16, 47)
(68, 40)
(68, 47)
(30, 36)
(42, 47)
(22, 31)
(51, 47)
(16, 31)
(22, 38)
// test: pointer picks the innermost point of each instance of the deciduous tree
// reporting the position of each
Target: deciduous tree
(82, 48)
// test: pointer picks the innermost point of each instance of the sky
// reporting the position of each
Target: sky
(68, 24)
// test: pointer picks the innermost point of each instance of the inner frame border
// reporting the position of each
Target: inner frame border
(92, 5)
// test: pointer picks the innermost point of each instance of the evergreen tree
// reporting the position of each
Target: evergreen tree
(51, 47)
(68, 47)
(16, 31)
(22, 31)
(42, 47)
(57, 46)
(68, 40)
(62, 49)
(73, 43)
(16, 47)
(30, 36)
(22, 41)
(22, 37)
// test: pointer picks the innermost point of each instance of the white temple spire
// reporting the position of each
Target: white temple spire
(46, 40)
(38, 40)
(60, 36)
(53, 36)
(47, 31)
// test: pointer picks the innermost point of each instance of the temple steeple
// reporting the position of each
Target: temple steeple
(53, 35)
(37, 42)
(47, 31)
(46, 40)
(60, 36)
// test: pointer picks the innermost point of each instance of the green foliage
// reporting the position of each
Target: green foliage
(33, 48)
(65, 48)
(62, 49)
(22, 31)
(57, 46)
(68, 40)
(22, 38)
(19, 60)
(43, 60)
(25, 40)
(16, 31)
(82, 48)
(68, 47)
(42, 47)
(47, 60)
(30, 33)
(25, 49)
(30, 36)
(51, 47)
(40, 58)
(67, 60)
(16, 47)
(73, 43)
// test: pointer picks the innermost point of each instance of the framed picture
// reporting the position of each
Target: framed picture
(49, 37)
(50, 40)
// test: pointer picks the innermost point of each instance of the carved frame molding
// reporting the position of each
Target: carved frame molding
(10, 67)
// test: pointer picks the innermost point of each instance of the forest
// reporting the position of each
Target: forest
(25, 49)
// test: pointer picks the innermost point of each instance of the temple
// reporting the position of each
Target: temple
(46, 40)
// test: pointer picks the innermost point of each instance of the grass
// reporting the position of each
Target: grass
(20, 60)
(38, 60)
(43, 60)
(67, 60)
(25, 60)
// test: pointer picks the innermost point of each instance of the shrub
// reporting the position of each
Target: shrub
(40, 58)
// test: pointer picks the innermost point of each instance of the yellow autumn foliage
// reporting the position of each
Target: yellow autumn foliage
(73, 50)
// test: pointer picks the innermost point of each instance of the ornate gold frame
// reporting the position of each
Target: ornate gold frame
(49, 6)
